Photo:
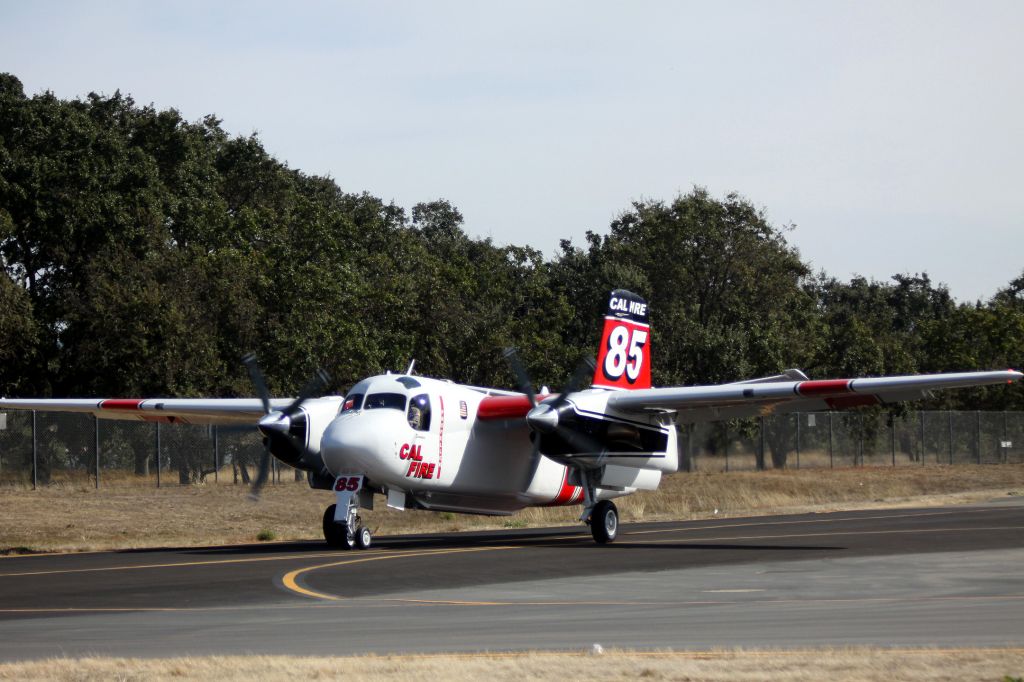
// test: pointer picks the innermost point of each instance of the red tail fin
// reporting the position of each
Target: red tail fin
(624, 358)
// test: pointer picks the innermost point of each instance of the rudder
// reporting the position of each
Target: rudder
(624, 356)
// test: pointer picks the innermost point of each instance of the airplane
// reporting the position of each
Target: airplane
(432, 444)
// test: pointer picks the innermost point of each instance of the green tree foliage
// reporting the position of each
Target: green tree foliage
(143, 254)
(724, 284)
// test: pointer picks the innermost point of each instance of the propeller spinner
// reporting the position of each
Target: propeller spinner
(284, 429)
(554, 417)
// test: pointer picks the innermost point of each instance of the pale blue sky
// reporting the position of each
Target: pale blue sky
(890, 133)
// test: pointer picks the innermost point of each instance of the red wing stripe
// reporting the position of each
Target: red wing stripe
(121, 404)
(505, 406)
(823, 388)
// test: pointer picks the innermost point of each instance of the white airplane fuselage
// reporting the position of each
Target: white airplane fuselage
(458, 459)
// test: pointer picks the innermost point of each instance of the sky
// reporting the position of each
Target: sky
(889, 135)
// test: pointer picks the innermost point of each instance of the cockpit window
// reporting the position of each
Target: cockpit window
(393, 401)
(352, 402)
(419, 412)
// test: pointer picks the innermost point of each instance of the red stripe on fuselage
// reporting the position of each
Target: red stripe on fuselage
(825, 387)
(121, 404)
(504, 406)
(567, 494)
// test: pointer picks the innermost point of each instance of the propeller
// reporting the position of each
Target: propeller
(277, 425)
(552, 417)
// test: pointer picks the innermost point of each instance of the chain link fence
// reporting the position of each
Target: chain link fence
(52, 448)
(849, 439)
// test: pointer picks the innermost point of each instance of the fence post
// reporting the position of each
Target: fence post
(158, 462)
(216, 452)
(860, 441)
(761, 460)
(920, 415)
(1006, 431)
(727, 446)
(830, 464)
(96, 447)
(797, 440)
(950, 414)
(689, 448)
(978, 450)
(892, 434)
(35, 454)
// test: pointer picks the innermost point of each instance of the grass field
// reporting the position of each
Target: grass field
(75, 517)
(851, 665)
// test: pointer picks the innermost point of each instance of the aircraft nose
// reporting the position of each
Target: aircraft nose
(352, 444)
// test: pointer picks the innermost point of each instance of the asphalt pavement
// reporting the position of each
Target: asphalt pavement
(906, 577)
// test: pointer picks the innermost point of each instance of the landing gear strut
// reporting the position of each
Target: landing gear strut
(346, 534)
(342, 526)
(602, 517)
(337, 534)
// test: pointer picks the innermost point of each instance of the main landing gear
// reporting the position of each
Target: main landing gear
(602, 517)
(604, 522)
(346, 534)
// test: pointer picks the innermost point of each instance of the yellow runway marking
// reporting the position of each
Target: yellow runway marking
(205, 562)
(289, 579)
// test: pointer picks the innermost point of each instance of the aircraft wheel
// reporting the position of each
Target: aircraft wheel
(336, 534)
(363, 537)
(604, 522)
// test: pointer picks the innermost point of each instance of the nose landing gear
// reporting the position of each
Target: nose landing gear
(343, 528)
(345, 534)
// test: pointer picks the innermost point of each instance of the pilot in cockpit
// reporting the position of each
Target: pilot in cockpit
(415, 416)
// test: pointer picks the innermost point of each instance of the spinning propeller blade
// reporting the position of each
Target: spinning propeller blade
(281, 426)
(523, 383)
(549, 421)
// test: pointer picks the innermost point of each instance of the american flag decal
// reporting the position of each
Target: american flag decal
(463, 409)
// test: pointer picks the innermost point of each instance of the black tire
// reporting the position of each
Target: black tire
(604, 522)
(336, 534)
(363, 537)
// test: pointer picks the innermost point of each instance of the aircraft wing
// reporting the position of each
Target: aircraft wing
(731, 401)
(169, 410)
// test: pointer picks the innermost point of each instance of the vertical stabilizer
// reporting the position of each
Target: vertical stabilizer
(624, 357)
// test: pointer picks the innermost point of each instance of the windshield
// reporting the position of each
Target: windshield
(353, 402)
(393, 401)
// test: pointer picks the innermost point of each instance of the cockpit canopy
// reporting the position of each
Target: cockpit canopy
(365, 396)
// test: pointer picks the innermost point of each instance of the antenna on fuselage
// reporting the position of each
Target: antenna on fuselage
(412, 364)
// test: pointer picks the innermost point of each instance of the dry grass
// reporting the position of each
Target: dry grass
(788, 666)
(78, 517)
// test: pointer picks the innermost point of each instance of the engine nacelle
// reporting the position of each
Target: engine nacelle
(301, 447)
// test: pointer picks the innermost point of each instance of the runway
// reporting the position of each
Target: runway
(908, 577)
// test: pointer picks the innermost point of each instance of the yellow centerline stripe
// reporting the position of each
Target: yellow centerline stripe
(394, 602)
(289, 580)
(206, 562)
